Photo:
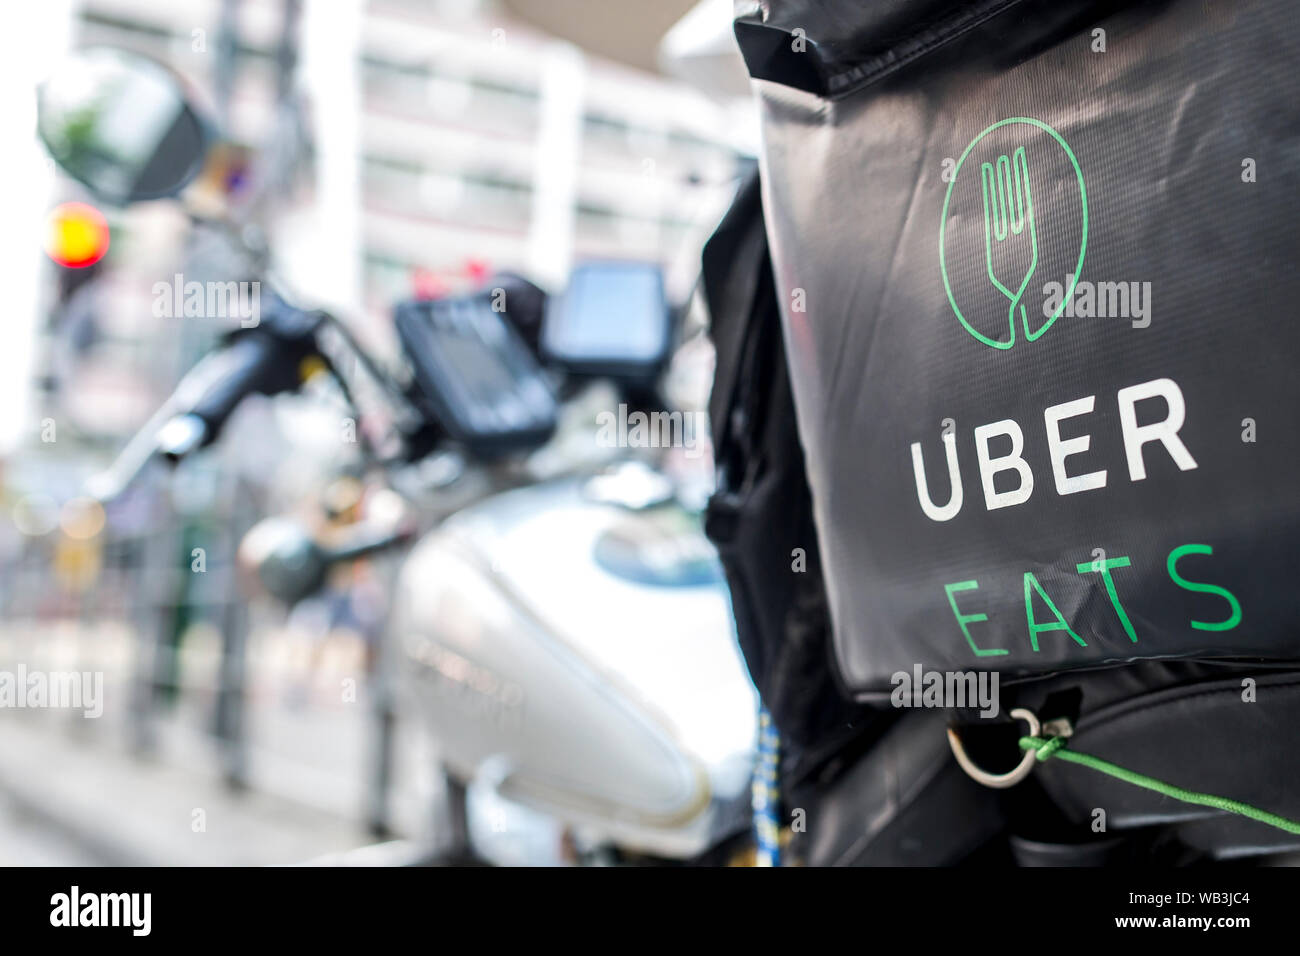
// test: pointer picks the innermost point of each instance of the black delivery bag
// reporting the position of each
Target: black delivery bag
(1038, 265)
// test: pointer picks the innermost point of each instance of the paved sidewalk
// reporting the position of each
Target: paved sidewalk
(70, 784)
(115, 809)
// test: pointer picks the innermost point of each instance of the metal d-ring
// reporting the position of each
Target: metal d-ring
(999, 781)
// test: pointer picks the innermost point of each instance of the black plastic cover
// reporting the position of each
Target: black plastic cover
(475, 375)
(612, 320)
(1046, 249)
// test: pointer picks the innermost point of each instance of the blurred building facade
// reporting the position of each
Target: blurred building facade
(449, 141)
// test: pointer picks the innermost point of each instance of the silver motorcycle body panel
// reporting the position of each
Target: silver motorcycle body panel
(620, 707)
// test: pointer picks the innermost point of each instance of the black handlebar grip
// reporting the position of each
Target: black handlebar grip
(266, 360)
(216, 386)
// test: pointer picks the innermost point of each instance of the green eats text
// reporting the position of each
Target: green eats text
(1042, 615)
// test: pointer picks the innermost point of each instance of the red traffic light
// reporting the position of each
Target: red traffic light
(76, 235)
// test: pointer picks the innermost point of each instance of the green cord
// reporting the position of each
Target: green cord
(1055, 747)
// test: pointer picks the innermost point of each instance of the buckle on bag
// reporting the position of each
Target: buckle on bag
(1001, 781)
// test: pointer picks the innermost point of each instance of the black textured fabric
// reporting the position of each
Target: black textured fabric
(760, 517)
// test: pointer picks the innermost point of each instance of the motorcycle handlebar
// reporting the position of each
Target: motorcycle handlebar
(208, 395)
(263, 360)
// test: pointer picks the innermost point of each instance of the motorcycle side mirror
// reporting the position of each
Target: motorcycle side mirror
(291, 564)
(285, 558)
(121, 125)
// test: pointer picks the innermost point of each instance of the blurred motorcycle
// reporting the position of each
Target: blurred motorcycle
(561, 624)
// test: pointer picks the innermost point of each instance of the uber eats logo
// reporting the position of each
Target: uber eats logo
(1016, 211)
